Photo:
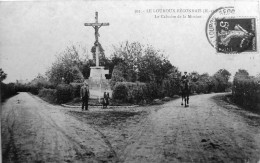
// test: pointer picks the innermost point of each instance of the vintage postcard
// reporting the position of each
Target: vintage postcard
(130, 81)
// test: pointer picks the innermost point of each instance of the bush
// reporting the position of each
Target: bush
(136, 92)
(201, 87)
(22, 87)
(120, 92)
(34, 89)
(153, 91)
(170, 87)
(49, 95)
(7, 90)
(76, 89)
(130, 92)
(246, 92)
(64, 93)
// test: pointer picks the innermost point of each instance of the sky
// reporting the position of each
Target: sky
(33, 33)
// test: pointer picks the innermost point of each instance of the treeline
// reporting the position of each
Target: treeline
(60, 93)
(246, 90)
(7, 90)
(142, 73)
(139, 73)
(73, 65)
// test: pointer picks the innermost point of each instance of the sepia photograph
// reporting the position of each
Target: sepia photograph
(130, 81)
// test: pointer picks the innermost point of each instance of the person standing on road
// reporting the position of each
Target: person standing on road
(106, 99)
(84, 94)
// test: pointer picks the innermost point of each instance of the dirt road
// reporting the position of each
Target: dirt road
(34, 131)
(210, 130)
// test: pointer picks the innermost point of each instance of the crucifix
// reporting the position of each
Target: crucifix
(96, 26)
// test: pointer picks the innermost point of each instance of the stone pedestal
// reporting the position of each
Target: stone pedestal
(97, 73)
(96, 80)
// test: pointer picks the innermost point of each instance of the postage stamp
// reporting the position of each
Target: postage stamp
(229, 32)
(235, 35)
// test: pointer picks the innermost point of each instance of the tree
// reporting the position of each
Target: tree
(153, 66)
(194, 76)
(66, 67)
(129, 55)
(224, 73)
(171, 84)
(242, 74)
(85, 69)
(3, 75)
(40, 81)
(141, 63)
(221, 78)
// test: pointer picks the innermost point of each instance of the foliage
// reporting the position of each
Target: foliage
(153, 66)
(34, 89)
(242, 74)
(7, 90)
(66, 67)
(138, 93)
(41, 82)
(85, 69)
(49, 95)
(117, 76)
(3, 75)
(246, 90)
(153, 91)
(64, 93)
(204, 83)
(221, 78)
(137, 62)
(76, 89)
(171, 84)
(130, 92)
(120, 92)
(128, 55)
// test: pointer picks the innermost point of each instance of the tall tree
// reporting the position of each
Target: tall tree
(153, 66)
(129, 55)
(66, 67)
(221, 78)
(224, 73)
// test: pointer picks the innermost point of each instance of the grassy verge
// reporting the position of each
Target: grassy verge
(252, 117)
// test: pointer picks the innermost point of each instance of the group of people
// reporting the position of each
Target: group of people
(85, 95)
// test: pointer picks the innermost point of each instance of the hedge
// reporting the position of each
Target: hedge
(49, 95)
(76, 89)
(170, 87)
(34, 89)
(246, 92)
(130, 92)
(64, 93)
(7, 90)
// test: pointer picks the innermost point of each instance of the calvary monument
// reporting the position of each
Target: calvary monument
(98, 72)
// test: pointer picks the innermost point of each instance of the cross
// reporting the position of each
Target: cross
(96, 26)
